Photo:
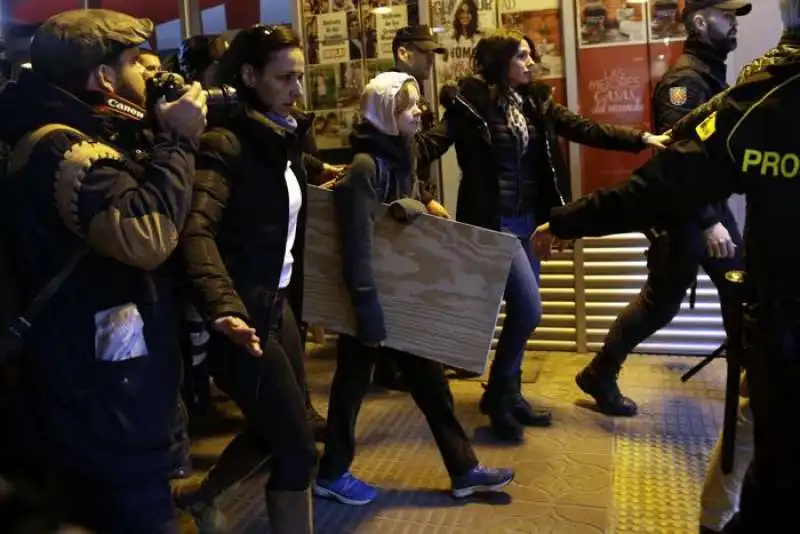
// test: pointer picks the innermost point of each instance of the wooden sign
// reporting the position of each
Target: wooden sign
(440, 282)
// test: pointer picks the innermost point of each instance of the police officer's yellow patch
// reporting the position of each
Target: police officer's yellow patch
(707, 128)
(677, 96)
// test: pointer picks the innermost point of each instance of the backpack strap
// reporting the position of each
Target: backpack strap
(24, 147)
(11, 339)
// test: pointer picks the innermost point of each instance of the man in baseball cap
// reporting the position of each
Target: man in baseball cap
(740, 8)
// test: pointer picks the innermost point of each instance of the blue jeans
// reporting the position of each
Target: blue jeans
(523, 301)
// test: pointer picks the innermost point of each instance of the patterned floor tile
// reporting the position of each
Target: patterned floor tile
(587, 474)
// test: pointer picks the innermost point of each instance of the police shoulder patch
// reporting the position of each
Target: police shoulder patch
(76, 163)
(678, 95)
(707, 128)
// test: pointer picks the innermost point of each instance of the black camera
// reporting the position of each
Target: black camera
(172, 86)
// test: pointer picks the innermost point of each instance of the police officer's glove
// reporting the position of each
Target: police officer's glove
(718, 242)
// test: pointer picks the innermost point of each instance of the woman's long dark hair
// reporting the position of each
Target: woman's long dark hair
(256, 47)
(472, 27)
(494, 52)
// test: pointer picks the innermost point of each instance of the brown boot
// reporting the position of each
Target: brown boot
(290, 512)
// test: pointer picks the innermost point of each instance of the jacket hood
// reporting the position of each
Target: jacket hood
(32, 102)
(379, 99)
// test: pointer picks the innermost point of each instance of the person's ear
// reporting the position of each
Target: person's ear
(105, 79)
(248, 75)
(699, 21)
(403, 53)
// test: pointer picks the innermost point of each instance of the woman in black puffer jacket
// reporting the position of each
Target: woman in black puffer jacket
(512, 175)
(243, 247)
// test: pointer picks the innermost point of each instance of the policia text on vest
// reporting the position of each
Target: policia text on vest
(770, 163)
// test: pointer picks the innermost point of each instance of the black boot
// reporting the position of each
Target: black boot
(599, 380)
(526, 414)
(498, 403)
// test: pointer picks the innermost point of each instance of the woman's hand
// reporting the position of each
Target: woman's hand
(331, 174)
(240, 333)
(437, 210)
(656, 141)
(543, 242)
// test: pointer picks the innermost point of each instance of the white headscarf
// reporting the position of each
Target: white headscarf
(378, 100)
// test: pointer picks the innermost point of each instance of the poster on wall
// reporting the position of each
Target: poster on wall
(347, 42)
(613, 88)
(460, 25)
(666, 22)
(611, 22)
(540, 20)
(332, 32)
(387, 22)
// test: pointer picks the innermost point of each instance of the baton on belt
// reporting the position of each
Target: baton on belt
(734, 351)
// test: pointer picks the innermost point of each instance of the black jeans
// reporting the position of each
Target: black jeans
(772, 486)
(428, 386)
(673, 261)
(267, 389)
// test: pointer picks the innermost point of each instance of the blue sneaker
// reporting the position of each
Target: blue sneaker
(346, 489)
(481, 479)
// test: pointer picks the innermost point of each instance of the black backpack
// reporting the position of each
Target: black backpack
(16, 317)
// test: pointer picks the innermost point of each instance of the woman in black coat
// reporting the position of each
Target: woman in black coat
(507, 143)
(243, 246)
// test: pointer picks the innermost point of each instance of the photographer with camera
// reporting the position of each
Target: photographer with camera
(90, 219)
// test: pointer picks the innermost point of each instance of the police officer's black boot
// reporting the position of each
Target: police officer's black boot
(526, 414)
(599, 380)
(498, 403)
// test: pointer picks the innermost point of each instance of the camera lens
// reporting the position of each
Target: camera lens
(222, 95)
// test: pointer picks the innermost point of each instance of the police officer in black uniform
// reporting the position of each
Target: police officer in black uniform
(744, 147)
(710, 239)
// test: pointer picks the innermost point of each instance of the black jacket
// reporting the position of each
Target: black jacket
(726, 154)
(480, 189)
(697, 75)
(235, 238)
(786, 51)
(89, 408)
(382, 171)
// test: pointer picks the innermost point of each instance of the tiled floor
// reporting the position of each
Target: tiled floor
(586, 474)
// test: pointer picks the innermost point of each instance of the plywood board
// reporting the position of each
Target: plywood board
(440, 282)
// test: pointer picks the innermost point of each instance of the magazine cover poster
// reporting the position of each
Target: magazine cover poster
(332, 32)
(460, 25)
(613, 88)
(321, 86)
(611, 22)
(666, 21)
(540, 21)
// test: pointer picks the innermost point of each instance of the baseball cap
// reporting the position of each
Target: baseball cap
(739, 7)
(82, 39)
(421, 36)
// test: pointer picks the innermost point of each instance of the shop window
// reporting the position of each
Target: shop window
(347, 42)
(623, 49)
